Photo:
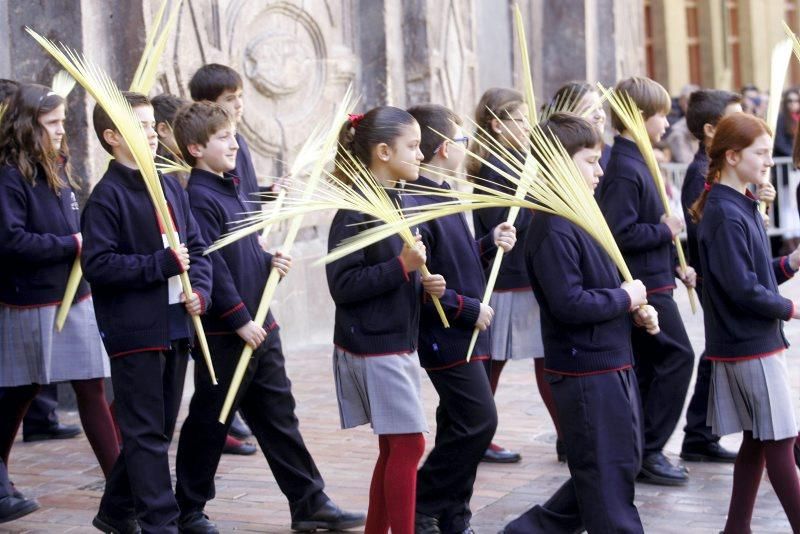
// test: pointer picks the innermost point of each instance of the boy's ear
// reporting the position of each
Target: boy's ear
(444, 149)
(163, 129)
(195, 149)
(709, 129)
(111, 137)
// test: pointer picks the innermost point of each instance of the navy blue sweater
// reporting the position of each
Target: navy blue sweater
(37, 240)
(693, 184)
(453, 253)
(377, 300)
(240, 269)
(743, 311)
(512, 274)
(586, 326)
(125, 261)
(632, 206)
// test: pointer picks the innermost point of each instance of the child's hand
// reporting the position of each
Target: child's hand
(414, 257)
(281, 182)
(183, 256)
(689, 278)
(434, 285)
(647, 317)
(79, 239)
(674, 223)
(484, 317)
(794, 259)
(766, 192)
(637, 293)
(192, 303)
(281, 262)
(252, 334)
(505, 236)
(765, 219)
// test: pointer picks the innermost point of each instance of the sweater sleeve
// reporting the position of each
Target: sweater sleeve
(782, 269)
(200, 272)
(556, 263)
(730, 263)
(352, 279)
(103, 265)
(620, 205)
(17, 243)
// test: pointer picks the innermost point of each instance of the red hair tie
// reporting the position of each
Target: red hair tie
(707, 186)
(354, 119)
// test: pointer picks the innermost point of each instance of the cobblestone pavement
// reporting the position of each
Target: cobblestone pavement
(64, 477)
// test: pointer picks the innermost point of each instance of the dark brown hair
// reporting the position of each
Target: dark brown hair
(735, 132)
(649, 95)
(211, 80)
(434, 118)
(572, 131)
(497, 102)
(25, 144)
(707, 106)
(196, 123)
(379, 125)
(103, 122)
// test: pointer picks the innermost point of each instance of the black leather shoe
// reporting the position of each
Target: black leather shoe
(234, 446)
(239, 428)
(425, 524)
(57, 431)
(12, 508)
(197, 523)
(15, 492)
(110, 525)
(561, 451)
(707, 452)
(498, 455)
(657, 469)
(329, 517)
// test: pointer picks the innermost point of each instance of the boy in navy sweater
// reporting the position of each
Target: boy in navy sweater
(586, 326)
(632, 206)
(205, 134)
(706, 108)
(466, 416)
(143, 317)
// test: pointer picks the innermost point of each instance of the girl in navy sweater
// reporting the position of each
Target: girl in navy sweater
(377, 293)
(516, 330)
(39, 240)
(744, 315)
(586, 324)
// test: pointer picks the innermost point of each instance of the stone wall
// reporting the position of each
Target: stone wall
(297, 59)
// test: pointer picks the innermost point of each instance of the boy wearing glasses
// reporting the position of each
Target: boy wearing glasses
(466, 417)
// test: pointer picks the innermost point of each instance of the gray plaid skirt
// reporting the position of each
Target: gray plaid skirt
(752, 395)
(32, 352)
(516, 329)
(383, 391)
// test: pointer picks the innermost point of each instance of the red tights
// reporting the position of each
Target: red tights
(393, 491)
(778, 456)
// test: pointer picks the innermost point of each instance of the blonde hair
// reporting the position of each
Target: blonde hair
(649, 95)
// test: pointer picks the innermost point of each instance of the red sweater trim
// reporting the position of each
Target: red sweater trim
(662, 289)
(787, 272)
(460, 306)
(482, 357)
(134, 351)
(232, 310)
(368, 355)
(744, 358)
(43, 305)
(589, 373)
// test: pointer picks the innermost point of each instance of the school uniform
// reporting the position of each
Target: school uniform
(466, 416)
(146, 332)
(375, 361)
(632, 207)
(586, 326)
(750, 388)
(240, 272)
(38, 245)
(697, 432)
(516, 329)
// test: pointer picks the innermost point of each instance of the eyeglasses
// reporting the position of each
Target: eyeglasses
(515, 119)
(464, 140)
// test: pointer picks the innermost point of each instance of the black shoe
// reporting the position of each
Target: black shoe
(329, 517)
(657, 469)
(197, 523)
(239, 428)
(57, 431)
(110, 525)
(15, 492)
(499, 455)
(561, 451)
(707, 452)
(234, 446)
(12, 508)
(425, 524)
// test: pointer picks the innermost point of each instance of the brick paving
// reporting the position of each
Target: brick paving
(64, 477)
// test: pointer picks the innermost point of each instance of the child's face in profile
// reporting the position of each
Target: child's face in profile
(148, 122)
(752, 164)
(514, 130)
(405, 155)
(590, 108)
(656, 125)
(53, 124)
(588, 162)
(232, 101)
(219, 153)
